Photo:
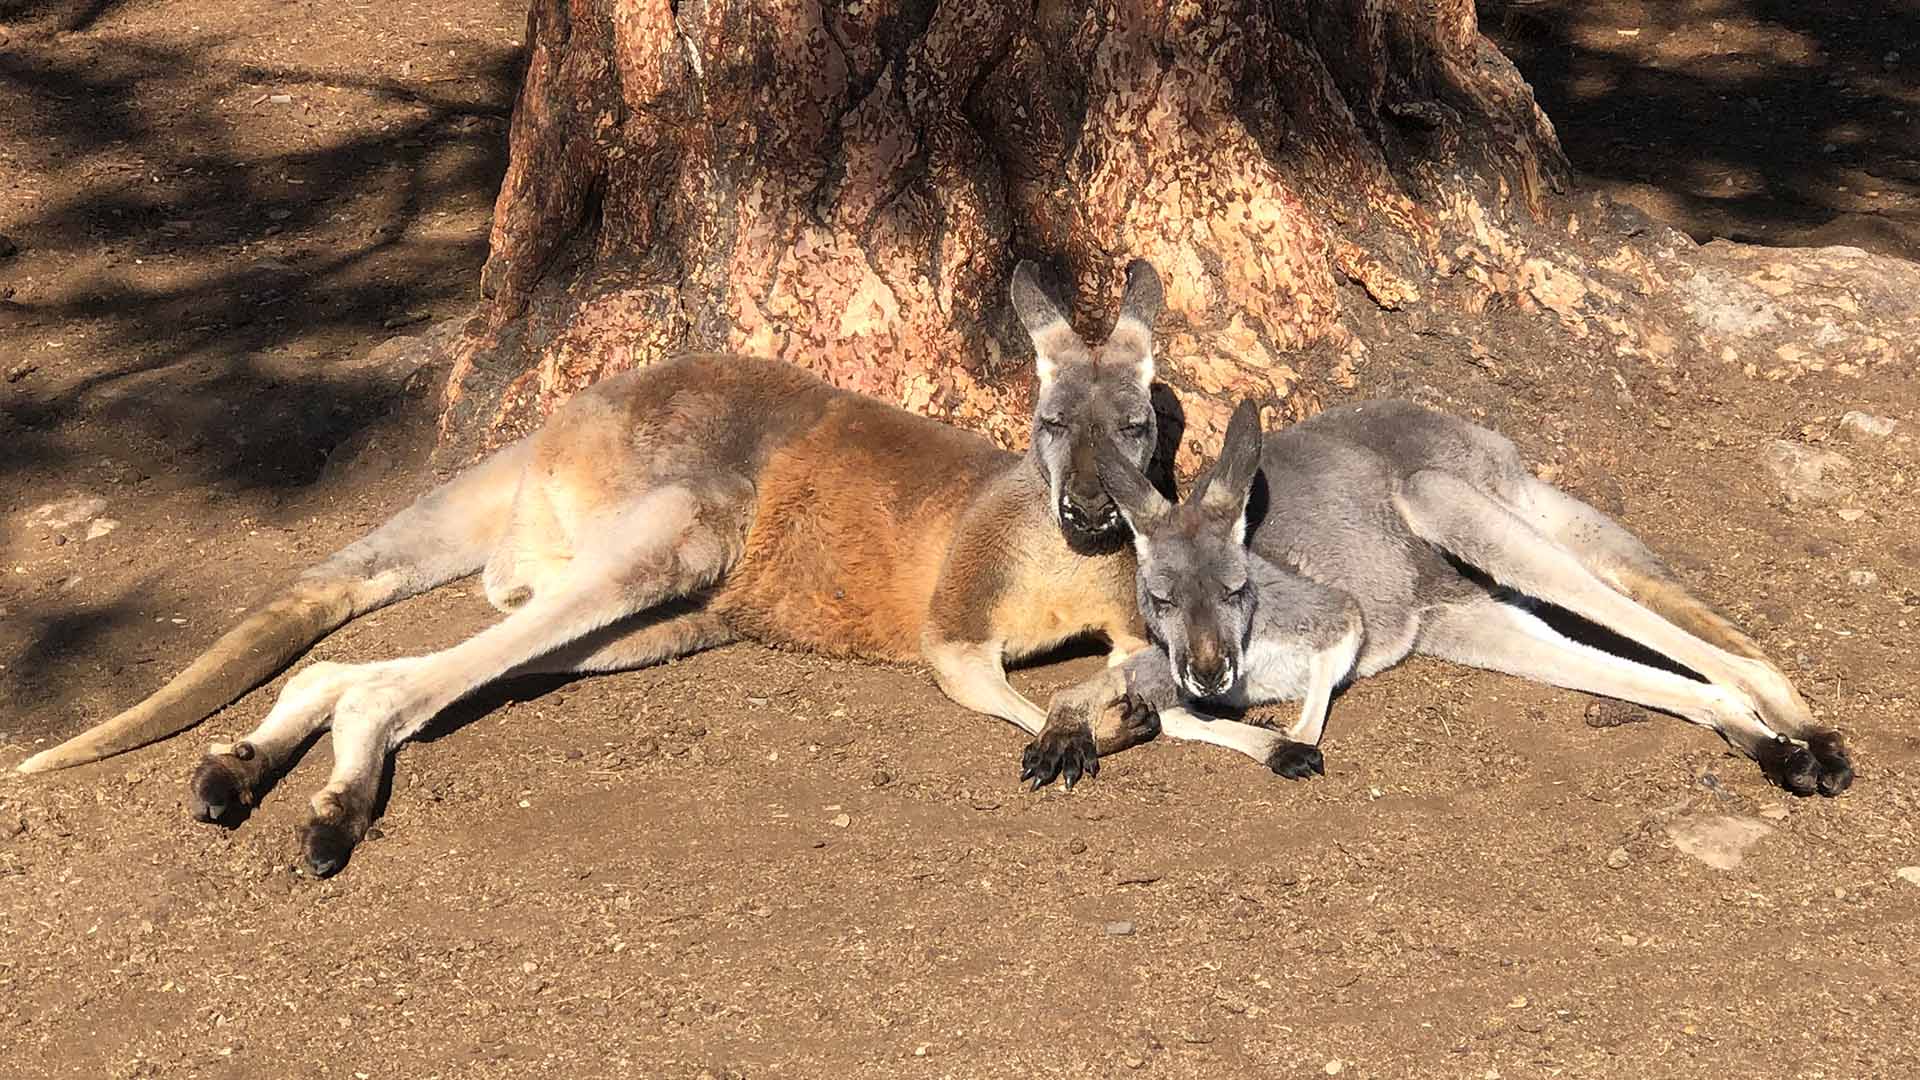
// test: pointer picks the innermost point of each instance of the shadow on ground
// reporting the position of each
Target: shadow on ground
(1756, 120)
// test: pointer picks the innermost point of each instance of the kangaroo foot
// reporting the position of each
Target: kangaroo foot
(227, 785)
(1296, 760)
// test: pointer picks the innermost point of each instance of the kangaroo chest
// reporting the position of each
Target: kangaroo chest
(1052, 597)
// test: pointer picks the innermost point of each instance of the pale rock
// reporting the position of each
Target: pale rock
(1805, 472)
(1721, 841)
(1867, 425)
(65, 513)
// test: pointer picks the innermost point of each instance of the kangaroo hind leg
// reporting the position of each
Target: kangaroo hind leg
(1499, 636)
(674, 541)
(1620, 559)
(1460, 518)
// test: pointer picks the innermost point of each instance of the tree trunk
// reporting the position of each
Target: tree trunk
(847, 186)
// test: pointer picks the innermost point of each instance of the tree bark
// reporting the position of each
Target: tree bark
(847, 185)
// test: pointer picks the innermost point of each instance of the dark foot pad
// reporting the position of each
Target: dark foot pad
(1297, 760)
(1066, 752)
(1790, 765)
(1836, 766)
(326, 846)
(222, 789)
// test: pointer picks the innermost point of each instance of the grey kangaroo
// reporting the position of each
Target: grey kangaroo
(1381, 529)
(691, 504)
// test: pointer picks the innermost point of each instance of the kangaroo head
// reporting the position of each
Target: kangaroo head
(1193, 559)
(1090, 398)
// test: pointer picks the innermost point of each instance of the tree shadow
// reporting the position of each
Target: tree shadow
(1762, 121)
(214, 284)
(71, 16)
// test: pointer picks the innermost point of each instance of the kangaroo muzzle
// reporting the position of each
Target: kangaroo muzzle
(1089, 515)
(1207, 670)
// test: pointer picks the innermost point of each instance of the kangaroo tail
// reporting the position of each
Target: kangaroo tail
(445, 534)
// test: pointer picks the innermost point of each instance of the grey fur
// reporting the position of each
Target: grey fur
(1089, 400)
(1385, 529)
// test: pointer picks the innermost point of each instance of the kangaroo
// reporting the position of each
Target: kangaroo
(1381, 529)
(687, 505)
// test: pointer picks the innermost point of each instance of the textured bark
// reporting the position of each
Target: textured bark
(847, 186)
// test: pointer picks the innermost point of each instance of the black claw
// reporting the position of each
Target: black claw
(1790, 765)
(1297, 761)
(219, 795)
(327, 847)
(1065, 753)
(1836, 766)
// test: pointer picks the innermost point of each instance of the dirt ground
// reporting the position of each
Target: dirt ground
(758, 864)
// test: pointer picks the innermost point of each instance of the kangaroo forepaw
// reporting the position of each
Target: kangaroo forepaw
(1296, 760)
(1065, 752)
(1129, 722)
(225, 785)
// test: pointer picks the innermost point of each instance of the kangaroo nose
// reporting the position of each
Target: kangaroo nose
(1207, 669)
(1092, 515)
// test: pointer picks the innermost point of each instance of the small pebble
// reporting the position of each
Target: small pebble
(1335, 1067)
(841, 821)
(1617, 859)
(1908, 874)
(881, 778)
(1862, 579)
(1077, 846)
(1119, 929)
(1774, 813)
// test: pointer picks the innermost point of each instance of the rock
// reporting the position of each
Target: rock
(21, 370)
(1617, 859)
(1775, 813)
(1867, 425)
(1607, 713)
(841, 821)
(101, 527)
(1119, 929)
(1335, 1067)
(1721, 841)
(1862, 579)
(1908, 874)
(1850, 514)
(1805, 472)
(65, 513)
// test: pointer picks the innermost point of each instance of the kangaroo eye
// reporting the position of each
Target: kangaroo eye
(1160, 603)
(1134, 431)
(1240, 591)
(1053, 423)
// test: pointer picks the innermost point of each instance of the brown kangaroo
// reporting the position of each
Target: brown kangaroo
(694, 503)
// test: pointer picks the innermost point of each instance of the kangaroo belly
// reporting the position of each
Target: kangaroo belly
(852, 524)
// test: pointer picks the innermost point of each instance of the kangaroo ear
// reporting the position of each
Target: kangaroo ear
(1054, 341)
(1140, 503)
(1139, 307)
(1227, 488)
